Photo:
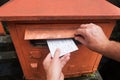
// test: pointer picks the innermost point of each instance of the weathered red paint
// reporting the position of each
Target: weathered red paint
(27, 19)
(56, 9)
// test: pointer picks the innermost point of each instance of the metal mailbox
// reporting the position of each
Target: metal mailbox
(30, 25)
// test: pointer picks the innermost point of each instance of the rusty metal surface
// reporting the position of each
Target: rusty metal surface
(58, 9)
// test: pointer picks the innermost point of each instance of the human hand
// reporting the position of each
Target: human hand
(53, 66)
(92, 36)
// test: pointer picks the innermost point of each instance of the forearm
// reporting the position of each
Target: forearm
(55, 77)
(112, 50)
(51, 78)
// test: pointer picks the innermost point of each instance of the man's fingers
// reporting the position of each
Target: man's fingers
(80, 39)
(80, 32)
(64, 59)
(83, 25)
(86, 25)
(57, 54)
(47, 59)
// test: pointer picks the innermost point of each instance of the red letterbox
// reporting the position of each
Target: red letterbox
(29, 20)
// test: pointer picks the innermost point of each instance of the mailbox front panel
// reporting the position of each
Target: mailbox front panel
(32, 54)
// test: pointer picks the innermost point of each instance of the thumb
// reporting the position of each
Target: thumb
(80, 39)
(47, 59)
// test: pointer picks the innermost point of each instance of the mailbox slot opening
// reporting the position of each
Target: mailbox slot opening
(39, 43)
(43, 43)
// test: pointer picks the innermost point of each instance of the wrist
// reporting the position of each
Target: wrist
(106, 46)
(52, 78)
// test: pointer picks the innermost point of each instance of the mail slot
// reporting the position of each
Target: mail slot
(43, 43)
(30, 27)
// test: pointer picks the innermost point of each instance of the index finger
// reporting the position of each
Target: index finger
(80, 32)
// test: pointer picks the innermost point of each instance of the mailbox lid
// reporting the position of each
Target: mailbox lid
(58, 9)
(49, 31)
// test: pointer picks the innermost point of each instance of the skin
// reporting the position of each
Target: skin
(53, 66)
(93, 37)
